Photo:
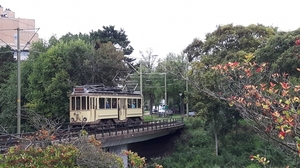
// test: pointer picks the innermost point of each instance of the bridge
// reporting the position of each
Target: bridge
(113, 137)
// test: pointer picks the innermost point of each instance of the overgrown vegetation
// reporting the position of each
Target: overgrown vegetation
(196, 149)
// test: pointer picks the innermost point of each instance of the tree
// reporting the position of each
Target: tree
(194, 50)
(148, 66)
(269, 101)
(176, 68)
(8, 104)
(53, 75)
(69, 37)
(226, 43)
(117, 38)
(8, 92)
(7, 63)
(281, 53)
(36, 150)
(104, 64)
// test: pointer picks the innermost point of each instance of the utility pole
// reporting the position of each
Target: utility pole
(141, 79)
(19, 84)
(187, 87)
(166, 89)
(19, 73)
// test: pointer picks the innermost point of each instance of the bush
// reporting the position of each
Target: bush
(51, 156)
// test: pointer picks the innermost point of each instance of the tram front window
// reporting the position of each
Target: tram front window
(83, 103)
(77, 103)
(72, 103)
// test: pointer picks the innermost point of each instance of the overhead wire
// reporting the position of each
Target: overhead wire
(10, 36)
(31, 38)
(18, 21)
(2, 52)
(4, 42)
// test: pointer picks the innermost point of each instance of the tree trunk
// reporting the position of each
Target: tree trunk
(216, 137)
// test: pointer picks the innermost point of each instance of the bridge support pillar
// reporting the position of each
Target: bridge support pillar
(118, 150)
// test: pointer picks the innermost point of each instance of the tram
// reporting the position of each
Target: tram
(97, 104)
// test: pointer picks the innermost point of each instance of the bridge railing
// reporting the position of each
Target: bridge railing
(128, 128)
(67, 134)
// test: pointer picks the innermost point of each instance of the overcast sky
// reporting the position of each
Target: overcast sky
(163, 25)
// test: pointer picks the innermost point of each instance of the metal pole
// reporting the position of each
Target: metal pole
(187, 89)
(141, 88)
(166, 89)
(141, 79)
(180, 106)
(19, 84)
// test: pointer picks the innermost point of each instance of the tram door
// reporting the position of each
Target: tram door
(122, 108)
(93, 107)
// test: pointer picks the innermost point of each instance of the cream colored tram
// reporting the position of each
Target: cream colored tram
(93, 104)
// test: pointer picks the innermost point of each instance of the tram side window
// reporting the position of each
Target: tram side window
(91, 103)
(83, 103)
(73, 103)
(101, 103)
(133, 105)
(95, 103)
(114, 103)
(129, 101)
(77, 103)
(139, 104)
(108, 103)
(88, 102)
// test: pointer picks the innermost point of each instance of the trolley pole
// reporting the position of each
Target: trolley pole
(19, 84)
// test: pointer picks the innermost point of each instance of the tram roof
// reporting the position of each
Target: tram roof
(100, 89)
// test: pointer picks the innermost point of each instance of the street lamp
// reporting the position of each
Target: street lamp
(180, 94)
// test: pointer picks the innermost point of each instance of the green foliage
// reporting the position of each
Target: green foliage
(53, 74)
(109, 34)
(8, 90)
(104, 64)
(51, 71)
(176, 68)
(7, 63)
(195, 148)
(8, 104)
(281, 53)
(90, 154)
(84, 152)
(49, 85)
(51, 156)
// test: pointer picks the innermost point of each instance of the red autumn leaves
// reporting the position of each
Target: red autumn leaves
(274, 103)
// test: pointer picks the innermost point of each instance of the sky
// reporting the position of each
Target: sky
(165, 26)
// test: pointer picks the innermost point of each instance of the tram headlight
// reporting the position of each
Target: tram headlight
(84, 119)
(72, 119)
